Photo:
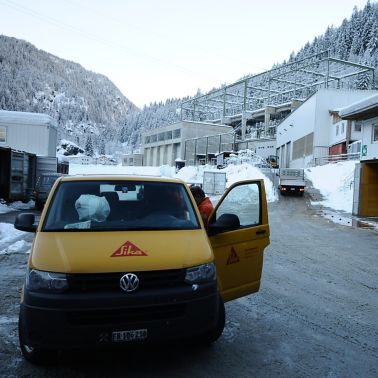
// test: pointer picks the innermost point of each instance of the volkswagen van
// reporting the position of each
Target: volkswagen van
(123, 259)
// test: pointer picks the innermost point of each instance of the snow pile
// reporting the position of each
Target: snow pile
(18, 205)
(234, 173)
(335, 183)
(11, 239)
(364, 104)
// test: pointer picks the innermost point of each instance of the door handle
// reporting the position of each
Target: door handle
(260, 232)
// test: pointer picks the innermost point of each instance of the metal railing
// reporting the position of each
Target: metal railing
(335, 158)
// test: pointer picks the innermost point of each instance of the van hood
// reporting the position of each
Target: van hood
(102, 252)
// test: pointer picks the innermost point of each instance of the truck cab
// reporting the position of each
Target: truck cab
(124, 259)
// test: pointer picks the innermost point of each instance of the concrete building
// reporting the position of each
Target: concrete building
(309, 133)
(134, 159)
(174, 142)
(30, 132)
(365, 198)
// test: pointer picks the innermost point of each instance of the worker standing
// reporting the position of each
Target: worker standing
(204, 204)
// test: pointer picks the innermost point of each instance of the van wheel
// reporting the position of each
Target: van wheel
(214, 334)
(33, 354)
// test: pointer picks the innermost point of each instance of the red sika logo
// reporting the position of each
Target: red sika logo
(128, 249)
(233, 258)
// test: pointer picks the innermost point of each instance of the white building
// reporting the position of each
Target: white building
(30, 132)
(365, 199)
(133, 159)
(313, 129)
(167, 144)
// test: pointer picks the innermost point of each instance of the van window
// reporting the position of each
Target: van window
(243, 200)
(120, 205)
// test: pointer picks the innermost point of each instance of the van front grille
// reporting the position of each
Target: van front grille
(111, 281)
(129, 315)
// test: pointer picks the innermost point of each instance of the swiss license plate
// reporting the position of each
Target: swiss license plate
(130, 335)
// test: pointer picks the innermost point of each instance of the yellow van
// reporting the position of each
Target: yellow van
(121, 259)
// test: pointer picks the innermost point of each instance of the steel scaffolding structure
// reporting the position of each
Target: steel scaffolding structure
(277, 88)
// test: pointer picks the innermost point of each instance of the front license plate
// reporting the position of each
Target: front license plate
(131, 335)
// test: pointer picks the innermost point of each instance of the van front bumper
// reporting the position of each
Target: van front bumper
(64, 321)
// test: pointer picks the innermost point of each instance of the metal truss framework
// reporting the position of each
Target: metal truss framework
(296, 80)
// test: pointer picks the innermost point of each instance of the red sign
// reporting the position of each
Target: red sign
(233, 257)
(128, 249)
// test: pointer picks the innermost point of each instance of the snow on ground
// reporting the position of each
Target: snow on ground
(18, 205)
(11, 240)
(335, 183)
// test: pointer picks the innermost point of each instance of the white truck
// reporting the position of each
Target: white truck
(291, 180)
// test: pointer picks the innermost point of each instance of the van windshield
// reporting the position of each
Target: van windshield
(120, 205)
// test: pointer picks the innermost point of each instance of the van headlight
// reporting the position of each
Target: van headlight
(201, 273)
(38, 280)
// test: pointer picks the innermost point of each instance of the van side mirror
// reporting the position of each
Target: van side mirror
(25, 222)
(226, 222)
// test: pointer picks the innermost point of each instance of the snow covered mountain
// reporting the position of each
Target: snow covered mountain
(83, 102)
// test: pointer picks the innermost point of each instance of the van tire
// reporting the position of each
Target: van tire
(31, 353)
(213, 335)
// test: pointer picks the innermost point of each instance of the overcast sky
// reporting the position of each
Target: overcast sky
(158, 49)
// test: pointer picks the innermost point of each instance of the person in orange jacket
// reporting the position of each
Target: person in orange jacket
(204, 204)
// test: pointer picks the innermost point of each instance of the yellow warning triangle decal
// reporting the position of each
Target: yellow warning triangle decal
(128, 249)
(233, 257)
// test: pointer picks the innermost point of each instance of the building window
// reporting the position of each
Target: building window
(147, 139)
(375, 133)
(337, 130)
(176, 133)
(357, 126)
(342, 128)
(3, 134)
(161, 136)
(168, 135)
(153, 138)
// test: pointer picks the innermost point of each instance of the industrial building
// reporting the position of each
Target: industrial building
(365, 199)
(247, 113)
(34, 133)
(255, 105)
(171, 143)
(314, 131)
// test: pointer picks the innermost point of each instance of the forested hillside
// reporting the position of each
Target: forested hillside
(355, 40)
(89, 108)
(83, 102)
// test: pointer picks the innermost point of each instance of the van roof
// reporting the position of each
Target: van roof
(106, 177)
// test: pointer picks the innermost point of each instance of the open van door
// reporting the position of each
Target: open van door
(238, 231)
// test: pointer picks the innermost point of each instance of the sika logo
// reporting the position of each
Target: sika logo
(128, 249)
(233, 258)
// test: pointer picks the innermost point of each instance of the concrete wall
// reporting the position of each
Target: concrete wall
(298, 124)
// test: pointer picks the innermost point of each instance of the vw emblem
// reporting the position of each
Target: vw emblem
(129, 282)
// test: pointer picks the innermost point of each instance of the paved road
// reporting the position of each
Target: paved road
(315, 315)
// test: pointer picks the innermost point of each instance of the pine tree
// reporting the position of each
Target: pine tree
(89, 151)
